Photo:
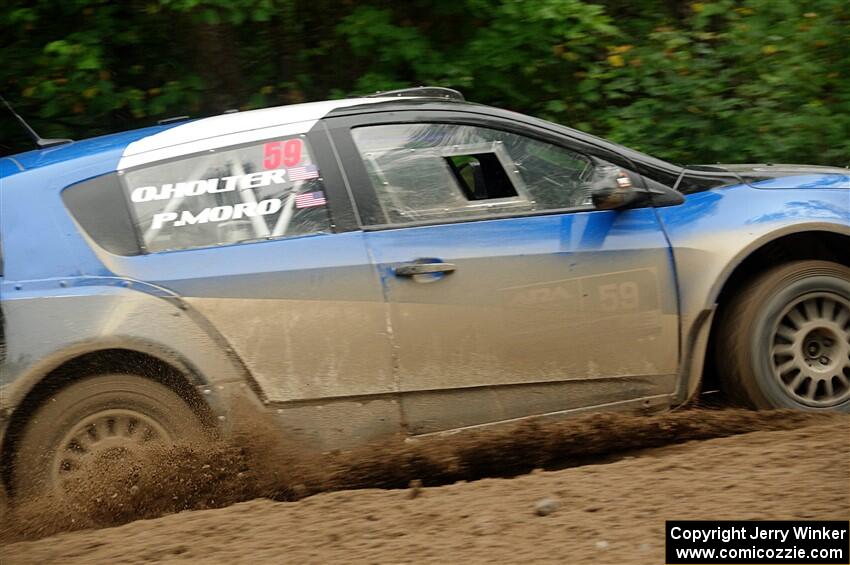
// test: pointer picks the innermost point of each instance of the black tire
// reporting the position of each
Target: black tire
(111, 413)
(784, 339)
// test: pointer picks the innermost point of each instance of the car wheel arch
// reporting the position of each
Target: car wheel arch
(807, 242)
(163, 368)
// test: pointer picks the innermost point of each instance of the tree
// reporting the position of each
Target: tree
(719, 80)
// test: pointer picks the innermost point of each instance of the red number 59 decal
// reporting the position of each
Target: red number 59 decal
(277, 153)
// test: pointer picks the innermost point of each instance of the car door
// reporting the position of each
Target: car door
(255, 240)
(509, 294)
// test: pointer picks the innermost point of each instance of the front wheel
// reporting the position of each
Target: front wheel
(98, 417)
(784, 340)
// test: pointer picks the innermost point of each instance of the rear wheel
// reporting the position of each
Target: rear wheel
(106, 416)
(784, 340)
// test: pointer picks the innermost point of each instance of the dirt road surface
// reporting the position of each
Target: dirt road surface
(611, 512)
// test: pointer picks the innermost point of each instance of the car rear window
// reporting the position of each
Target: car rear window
(261, 191)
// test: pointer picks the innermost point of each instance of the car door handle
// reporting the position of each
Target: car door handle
(411, 269)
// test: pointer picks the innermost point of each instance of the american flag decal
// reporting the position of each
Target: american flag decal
(303, 173)
(310, 199)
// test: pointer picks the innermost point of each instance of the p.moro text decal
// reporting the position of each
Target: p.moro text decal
(208, 186)
(217, 213)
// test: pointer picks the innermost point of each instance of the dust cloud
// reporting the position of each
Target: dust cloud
(253, 462)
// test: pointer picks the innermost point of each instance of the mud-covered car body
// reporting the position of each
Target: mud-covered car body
(331, 264)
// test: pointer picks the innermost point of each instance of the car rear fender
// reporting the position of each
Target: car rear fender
(49, 323)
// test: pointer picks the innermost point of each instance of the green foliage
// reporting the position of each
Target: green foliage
(745, 81)
(717, 80)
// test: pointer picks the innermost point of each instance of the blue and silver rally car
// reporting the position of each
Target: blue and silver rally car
(407, 262)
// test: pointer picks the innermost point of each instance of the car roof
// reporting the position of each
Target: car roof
(157, 142)
(152, 144)
(233, 129)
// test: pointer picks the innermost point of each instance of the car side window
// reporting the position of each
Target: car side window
(432, 171)
(261, 191)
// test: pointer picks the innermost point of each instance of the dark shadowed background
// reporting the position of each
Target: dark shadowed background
(719, 80)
